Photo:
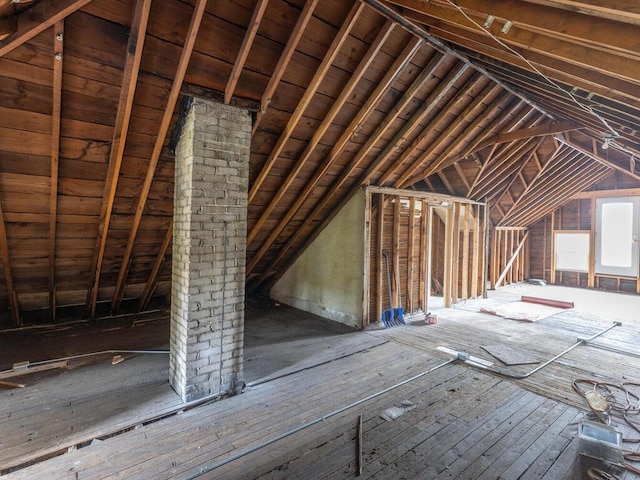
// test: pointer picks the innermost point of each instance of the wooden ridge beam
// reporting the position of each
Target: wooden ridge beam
(245, 47)
(590, 80)
(58, 56)
(121, 127)
(183, 63)
(37, 19)
(283, 61)
(627, 11)
(364, 64)
(150, 286)
(309, 92)
(578, 29)
(400, 105)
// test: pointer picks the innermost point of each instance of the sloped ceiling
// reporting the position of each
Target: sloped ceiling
(405, 93)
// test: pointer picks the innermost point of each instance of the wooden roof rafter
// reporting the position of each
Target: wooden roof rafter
(476, 46)
(283, 61)
(134, 51)
(592, 152)
(185, 56)
(245, 47)
(566, 167)
(443, 160)
(309, 92)
(630, 13)
(531, 32)
(383, 86)
(58, 56)
(39, 18)
(151, 283)
(345, 93)
(400, 105)
(531, 184)
(469, 109)
(502, 167)
(424, 109)
(554, 198)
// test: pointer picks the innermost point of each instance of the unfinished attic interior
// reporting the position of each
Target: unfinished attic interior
(319, 239)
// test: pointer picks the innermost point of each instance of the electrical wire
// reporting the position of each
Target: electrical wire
(552, 82)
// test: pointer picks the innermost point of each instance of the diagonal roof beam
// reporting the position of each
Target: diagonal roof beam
(473, 104)
(383, 86)
(58, 51)
(183, 63)
(309, 92)
(37, 19)
(400, 105)
(247, 42)
(283, 62)
(150, 286)
(123, 115)
(375, 47)
(550, 128)
(531, 184)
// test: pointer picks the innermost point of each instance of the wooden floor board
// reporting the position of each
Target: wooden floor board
(466, 423)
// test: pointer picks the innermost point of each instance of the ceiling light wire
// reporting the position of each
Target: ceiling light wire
(547, 78)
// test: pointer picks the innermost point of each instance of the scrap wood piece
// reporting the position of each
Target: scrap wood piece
(117, 359)
(509, 356)
(4, 383)
(22, 370)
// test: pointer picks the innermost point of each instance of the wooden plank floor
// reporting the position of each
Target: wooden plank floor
(465, 423)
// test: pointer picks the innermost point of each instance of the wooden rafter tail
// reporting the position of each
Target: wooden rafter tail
(375, 47)
(247, 42)
(31, 22)
(309, 92)
(8, 277)
(57, 58)
(151, 282)
(120, 130)
(283, 61)
(364, 150)
(183, 63)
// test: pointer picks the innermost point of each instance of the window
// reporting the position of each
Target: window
(572, 251)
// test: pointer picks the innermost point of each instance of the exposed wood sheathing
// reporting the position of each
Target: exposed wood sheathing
(399, 94)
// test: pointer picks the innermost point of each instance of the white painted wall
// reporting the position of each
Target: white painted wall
(327, 279)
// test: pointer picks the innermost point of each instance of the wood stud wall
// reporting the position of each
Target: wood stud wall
(428, 244)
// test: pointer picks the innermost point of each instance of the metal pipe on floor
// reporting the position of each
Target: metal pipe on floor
(243, 453)
(520, 376)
